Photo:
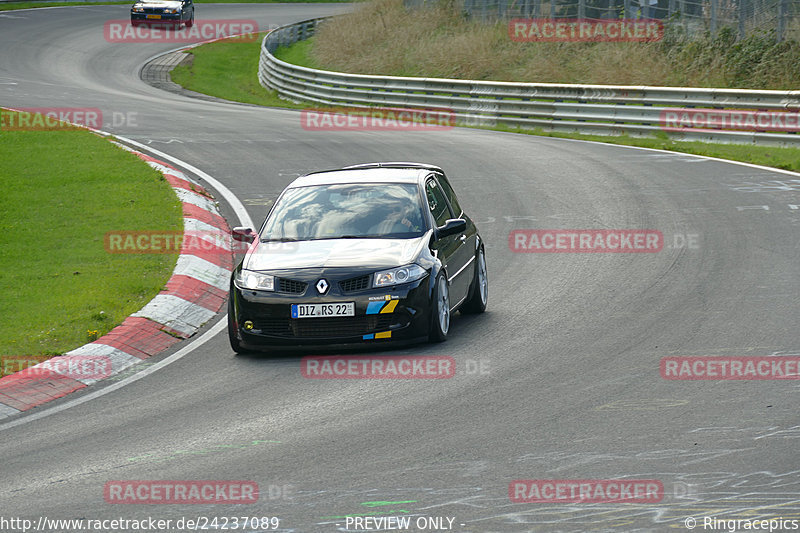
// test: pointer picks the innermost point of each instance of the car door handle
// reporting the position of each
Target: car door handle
(463, 238)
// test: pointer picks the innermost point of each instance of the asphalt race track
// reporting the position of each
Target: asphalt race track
(569, 349)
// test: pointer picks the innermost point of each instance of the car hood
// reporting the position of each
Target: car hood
(372, 253)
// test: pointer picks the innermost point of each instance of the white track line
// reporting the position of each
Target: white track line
(201, 340)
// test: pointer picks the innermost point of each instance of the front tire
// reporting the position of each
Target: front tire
(190, 22)
(480, 286)
(440, 312)
(233, 329)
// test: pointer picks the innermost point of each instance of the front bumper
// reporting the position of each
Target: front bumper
(263, 318)
(168, 19)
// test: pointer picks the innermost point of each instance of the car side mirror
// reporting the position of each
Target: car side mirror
(243, 234)
(451, 227)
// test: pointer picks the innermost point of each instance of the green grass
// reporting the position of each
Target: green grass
(62, 191)
(27, 5)
(228, 70)
(298, 54)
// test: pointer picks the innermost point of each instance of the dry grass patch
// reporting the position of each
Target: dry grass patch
(383, 37)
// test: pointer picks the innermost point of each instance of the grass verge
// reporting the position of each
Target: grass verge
(227, 69)
(439, 41)
(63, 190)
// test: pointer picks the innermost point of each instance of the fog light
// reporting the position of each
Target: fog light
(248, 325)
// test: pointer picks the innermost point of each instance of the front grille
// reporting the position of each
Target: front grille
(334, 327)
(291, 286)
(355, 284)
(154, 10)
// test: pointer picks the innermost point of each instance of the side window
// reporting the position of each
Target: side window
(451, 195)
(437, 202)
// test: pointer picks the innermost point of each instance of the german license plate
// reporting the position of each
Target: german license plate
(323, 310)
(154, 16)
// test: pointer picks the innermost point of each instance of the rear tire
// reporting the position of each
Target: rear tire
(440, 311)
(480, 286)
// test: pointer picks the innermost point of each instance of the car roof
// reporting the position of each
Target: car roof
(391, 172)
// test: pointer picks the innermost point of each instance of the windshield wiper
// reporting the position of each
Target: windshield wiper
(282, 239)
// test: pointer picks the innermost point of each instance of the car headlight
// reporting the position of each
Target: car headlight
(172, 10)
(137, 9)
(396, 276)
(247, 279)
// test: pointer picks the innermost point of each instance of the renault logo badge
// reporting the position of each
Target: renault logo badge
(322, 286)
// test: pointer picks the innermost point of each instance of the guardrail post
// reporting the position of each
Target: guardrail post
(552, 9)
(782, 5)
(713, 22)
(742, 14)
(581, 9)
(502, 8)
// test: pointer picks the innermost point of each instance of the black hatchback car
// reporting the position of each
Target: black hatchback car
(172, 13)
(364, 254)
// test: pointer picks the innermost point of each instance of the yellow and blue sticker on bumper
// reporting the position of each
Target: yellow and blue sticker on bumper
(381, 335)
(374, 308)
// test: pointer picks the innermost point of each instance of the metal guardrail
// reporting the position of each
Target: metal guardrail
(592, 109)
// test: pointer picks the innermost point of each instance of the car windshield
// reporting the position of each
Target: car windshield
(342, 211)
